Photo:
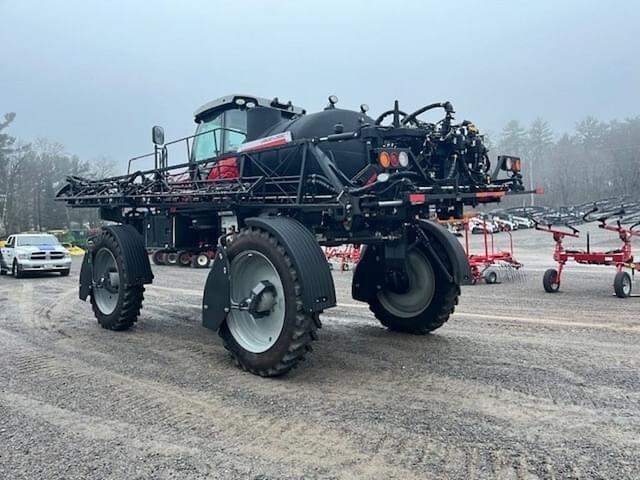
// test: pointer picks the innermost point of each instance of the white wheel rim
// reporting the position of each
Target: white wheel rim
(106, 279)
(203, 260)
(422, 287)
(626, 285)
(256, 335)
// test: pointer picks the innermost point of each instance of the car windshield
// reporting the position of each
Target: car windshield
(36, 240)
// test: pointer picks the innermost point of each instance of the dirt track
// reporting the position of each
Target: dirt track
(518, 384)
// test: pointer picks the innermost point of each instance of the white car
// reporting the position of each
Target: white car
(524, 222)
(34, 252)
(478, 225)
(505, 224)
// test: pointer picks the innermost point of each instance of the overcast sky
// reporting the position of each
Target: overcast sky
(96, 75)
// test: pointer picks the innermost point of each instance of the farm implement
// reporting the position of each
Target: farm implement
(492, 265)
(346, 256)
(268, 185)
(621, 258)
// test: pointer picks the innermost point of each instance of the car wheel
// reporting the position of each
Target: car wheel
(15, 270)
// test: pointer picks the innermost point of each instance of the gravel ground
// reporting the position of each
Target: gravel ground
(518, 384)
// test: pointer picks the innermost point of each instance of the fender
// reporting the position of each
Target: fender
(135, 257)
(369, 268)
(216, 299)
(318, 290)
(86, 275)
(453, 248)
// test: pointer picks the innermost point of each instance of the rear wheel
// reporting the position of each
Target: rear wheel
(184, 258)
(115, 303)
(159, 257)
(424, 306)
(172, 258)
(550, 281)
(622, 285)
(267, 331)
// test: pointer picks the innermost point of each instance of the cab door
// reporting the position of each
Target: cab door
(219, 134)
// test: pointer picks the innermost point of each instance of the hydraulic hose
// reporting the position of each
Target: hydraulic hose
(448, 108)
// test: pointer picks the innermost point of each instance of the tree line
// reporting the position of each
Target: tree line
(30, 176)
(598, 160)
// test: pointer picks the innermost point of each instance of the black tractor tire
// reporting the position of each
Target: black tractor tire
(299, 327)
(622, 285)
(184, 258)
(15, 270)
(442, 305)
(172, 258)
(129, 297)
(159, 257)
(65, 272)
(549, 281)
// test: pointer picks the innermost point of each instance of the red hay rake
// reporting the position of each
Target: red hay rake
(492, 266)
(621, 258)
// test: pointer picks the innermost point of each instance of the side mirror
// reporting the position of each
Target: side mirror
(157, 135)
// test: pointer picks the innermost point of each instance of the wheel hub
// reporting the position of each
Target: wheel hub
(263, 299)
(398, 281)
(419, 294)
(106, 281)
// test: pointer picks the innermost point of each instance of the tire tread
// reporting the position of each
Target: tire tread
(305, 324)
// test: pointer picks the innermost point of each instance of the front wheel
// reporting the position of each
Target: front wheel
(421, 308)
(115, 303)
(267, 331)
(15, 270)
(622, 284)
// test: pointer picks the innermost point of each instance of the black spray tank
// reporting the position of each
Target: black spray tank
(349, 156)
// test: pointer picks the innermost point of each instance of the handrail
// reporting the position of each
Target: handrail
(183, 139)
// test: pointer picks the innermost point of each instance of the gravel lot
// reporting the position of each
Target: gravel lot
(518, 384)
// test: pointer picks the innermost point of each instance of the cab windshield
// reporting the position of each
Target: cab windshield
(220, 134)
(36, 241)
